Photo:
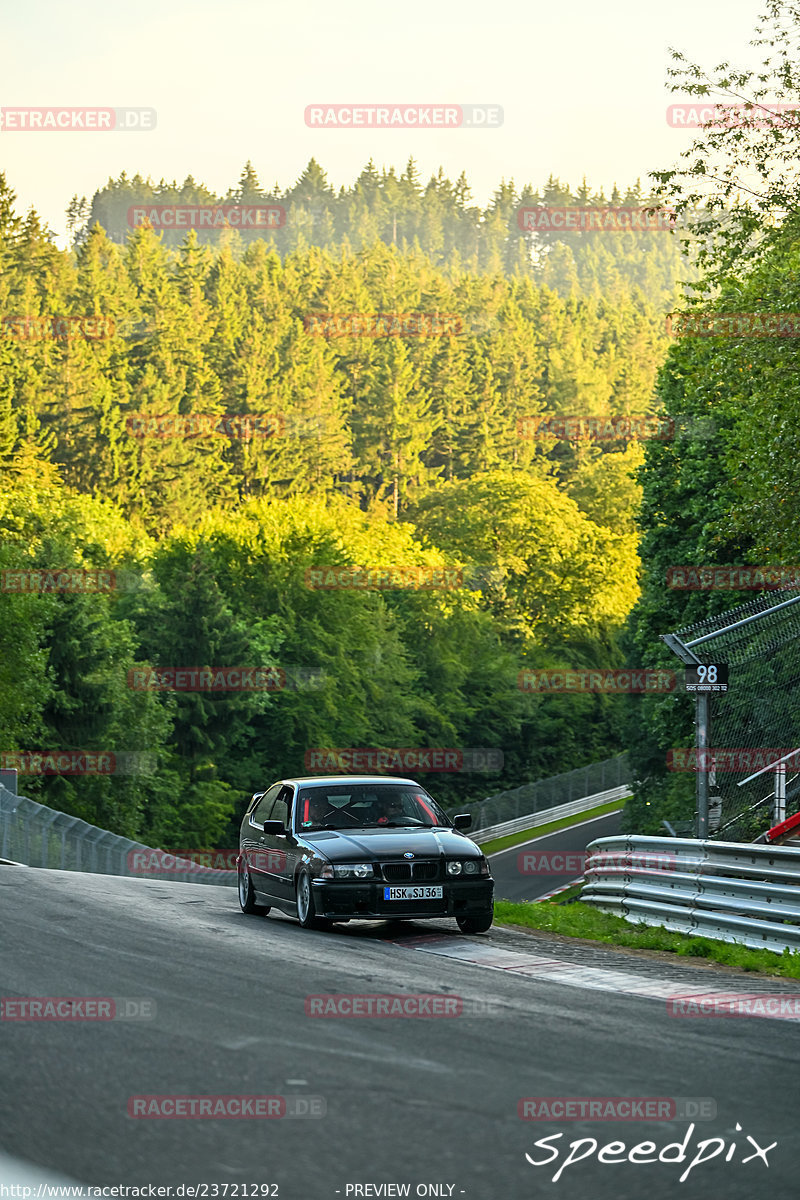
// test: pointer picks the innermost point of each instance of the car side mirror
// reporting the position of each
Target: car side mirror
(274, 827)
(462, 821)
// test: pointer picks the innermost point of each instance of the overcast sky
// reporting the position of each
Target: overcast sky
(581, 84)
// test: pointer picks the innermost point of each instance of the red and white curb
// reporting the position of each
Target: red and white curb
(557, 891)
(555, 970)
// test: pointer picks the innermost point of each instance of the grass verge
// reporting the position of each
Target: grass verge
(584, 921)
(525, 835)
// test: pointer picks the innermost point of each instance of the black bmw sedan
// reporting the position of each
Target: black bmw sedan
(358, 847)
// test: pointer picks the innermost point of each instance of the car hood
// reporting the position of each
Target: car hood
(358, 844)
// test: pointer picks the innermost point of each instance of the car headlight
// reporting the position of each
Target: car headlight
(469, 866)
(353, 871)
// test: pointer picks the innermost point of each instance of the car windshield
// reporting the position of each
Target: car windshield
(366, 806)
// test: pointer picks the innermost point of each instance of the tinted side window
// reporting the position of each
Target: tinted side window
(261, 811)
(282, 808)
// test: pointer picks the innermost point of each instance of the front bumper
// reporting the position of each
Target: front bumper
(344, 900)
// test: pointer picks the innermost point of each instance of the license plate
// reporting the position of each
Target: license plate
(412, 893)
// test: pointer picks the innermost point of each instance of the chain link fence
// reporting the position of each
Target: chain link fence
(531, 798)
(38, 836)
(757, 719)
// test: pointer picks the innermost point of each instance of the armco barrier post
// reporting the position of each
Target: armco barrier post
(67, 829)
(45, 824)
(703, 748)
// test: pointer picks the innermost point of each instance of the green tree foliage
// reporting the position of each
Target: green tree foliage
(435, 219)
(724, 490)
(411, 449)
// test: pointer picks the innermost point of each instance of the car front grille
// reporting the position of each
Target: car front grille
(405, 872)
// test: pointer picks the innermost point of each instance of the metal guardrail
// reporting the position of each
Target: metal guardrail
(728, 891)
(546, 793)
(550, 814)
(37, 836)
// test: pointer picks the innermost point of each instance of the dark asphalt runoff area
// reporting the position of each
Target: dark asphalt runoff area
(533, 868)
(412, 1106)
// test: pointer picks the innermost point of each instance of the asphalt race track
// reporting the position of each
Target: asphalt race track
(409, 1101)
(542, 874)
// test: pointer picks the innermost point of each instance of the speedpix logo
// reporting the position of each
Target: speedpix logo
(617, 1152)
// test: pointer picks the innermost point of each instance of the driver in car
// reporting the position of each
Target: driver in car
(392, 809)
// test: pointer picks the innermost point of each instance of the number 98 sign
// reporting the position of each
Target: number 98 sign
(706, 677)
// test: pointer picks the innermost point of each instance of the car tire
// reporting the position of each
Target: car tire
(304, 903)
(247, 895)
(479, 924)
